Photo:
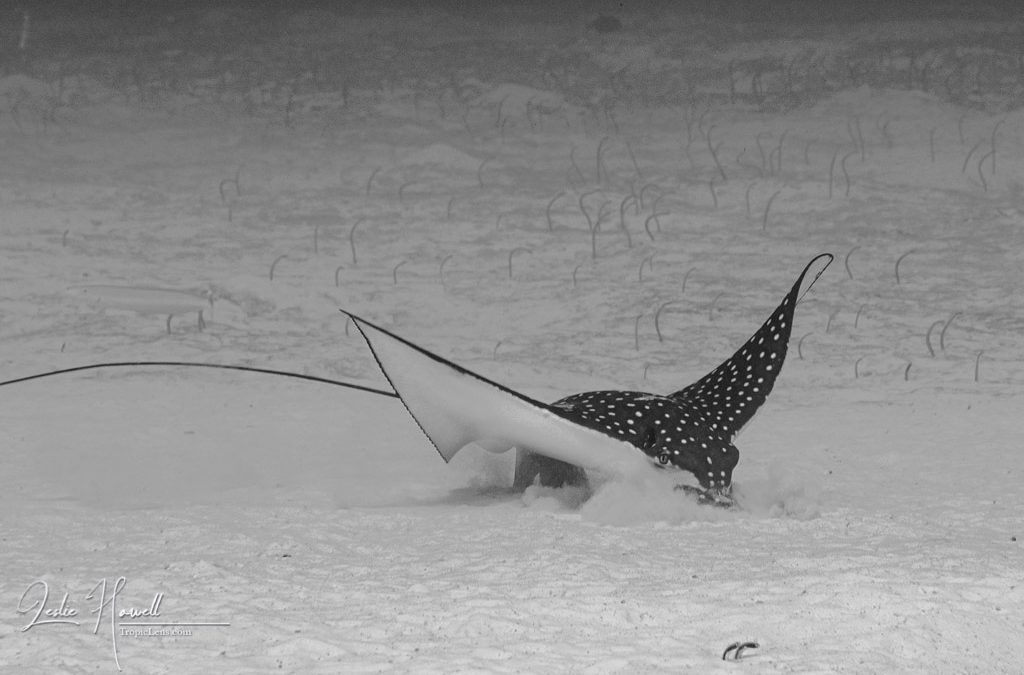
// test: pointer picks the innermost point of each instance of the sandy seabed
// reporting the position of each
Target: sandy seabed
(559, 209)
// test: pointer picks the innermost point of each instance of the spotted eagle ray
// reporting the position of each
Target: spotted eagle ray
(621, 433)
(613, 432)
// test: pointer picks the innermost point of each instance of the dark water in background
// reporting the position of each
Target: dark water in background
(125, 43)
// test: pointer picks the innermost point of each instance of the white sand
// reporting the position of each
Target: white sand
(884, 505)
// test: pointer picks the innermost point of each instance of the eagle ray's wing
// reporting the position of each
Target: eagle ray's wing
(730, 395)
(455, 407)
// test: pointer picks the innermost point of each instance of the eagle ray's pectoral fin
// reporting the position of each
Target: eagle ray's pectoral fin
(733, 392)
(454, 407)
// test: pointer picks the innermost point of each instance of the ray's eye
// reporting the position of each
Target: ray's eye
(663, 458)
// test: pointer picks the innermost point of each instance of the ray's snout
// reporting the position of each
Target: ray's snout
(718, 481)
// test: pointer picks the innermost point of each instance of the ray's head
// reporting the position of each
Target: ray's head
(711, 461)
